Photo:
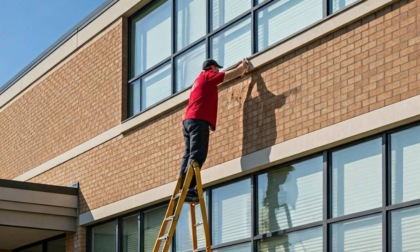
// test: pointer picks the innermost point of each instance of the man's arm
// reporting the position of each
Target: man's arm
(240, 68)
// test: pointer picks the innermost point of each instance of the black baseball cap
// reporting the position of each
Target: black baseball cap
(210, 62)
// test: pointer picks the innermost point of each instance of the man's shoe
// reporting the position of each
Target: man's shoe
(192, 196)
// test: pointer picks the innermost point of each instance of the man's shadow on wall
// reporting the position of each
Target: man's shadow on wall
(259, 121)
(259, 134)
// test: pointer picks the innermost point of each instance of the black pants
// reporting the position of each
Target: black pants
(196, 137)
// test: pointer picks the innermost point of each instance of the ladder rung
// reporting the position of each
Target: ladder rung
(176, 196)
(198, 224)
(170, 218)
(163, 237)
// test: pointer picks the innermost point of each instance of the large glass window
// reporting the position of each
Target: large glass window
(156, 86)
(357, 178)
(188, 65)
(130, 234)
(190, 21)
(406, 229)
(231, 45)
(224, 11)
(305, 240)
(181, 34)
(58, 245)
(184, 228)
(286, 208)
(231, 212)
(281, 19)
(360, 235)
(152, 222)
(104, 237)
(244, 247)
(151, 37)
(337, 5)
(36, 248)
(290, 196)
(405, 165)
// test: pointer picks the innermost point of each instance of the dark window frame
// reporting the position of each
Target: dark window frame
(384, 211)
(252, 12)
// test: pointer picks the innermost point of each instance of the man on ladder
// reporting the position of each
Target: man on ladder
(200, 117)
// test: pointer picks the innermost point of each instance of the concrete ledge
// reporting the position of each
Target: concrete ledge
(395, 115)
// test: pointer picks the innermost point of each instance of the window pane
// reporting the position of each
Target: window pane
(37, 248)
(231, 45)
(245, 247)
(156, 86)
(152, 222)
(357, 178)
(231, 209)
(104, 237)
(183, 228)
(337, 5)
(130, 234)
(188, 66)
(360, 235)
(225, 10)
(190, 21)
(290, 196)
(405, 164)
(134, 98)
(151, 38)
(281, 19)
(58, 245)
(301, 241)
(406, 229)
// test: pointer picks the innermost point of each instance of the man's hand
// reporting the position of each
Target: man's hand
(240, 69)
(245, 66)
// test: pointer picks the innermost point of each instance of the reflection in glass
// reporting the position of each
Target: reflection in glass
(184, 230)
(231, 212)
(151, 38)
(405, 164)
(58, 245)
(244, 247)
(190, 21)
(134, 98)
(104, 237)
(231, 45)
(357, 178)
(188, 66)
(130, 234)
(37, 248)
(281, 19)
(337, 5)
(290, 196)
(225, 10)
(361, 235)
(300, 241)
(156, 86)
(405, 229)
(152, 222)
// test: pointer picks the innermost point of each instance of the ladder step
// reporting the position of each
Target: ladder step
(163, 237)
(198, 224)
(170, 218)
(176, 196)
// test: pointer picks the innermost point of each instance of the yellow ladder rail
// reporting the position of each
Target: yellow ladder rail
(174, 210)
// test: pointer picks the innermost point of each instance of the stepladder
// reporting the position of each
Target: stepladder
(173, 212)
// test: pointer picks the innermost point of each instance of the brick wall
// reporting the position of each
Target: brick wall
(365, 66)
(370, 64)
(78, 100)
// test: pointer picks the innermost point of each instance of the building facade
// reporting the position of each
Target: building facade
(316, 149)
